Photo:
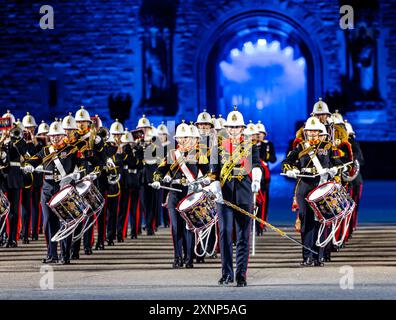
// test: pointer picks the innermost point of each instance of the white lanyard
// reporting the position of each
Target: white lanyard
(317, 164)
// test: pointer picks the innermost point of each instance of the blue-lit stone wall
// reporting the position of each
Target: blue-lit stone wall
(95, 51)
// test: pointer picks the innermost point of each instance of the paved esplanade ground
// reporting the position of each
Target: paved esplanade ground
(141, 269)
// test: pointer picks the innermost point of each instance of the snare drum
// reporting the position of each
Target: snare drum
(330, 202)
(198, 210)
(68, 205)
(87, 190)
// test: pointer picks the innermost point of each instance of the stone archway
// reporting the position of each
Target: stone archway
(197, 41)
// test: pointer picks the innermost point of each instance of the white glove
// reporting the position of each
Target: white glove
(167, 179)
(292, 173)
(156, 185)
(333, 172)
(93, 176)
(75, 175)
(196, 187)
(255, 186)
(206, 181)
(97, 139)
(28, 168)
(39, 168)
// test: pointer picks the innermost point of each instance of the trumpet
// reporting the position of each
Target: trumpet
(16, 133)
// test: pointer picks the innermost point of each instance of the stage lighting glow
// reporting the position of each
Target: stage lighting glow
(288, 51)
(248, 47)
(235, 53)
(274, 46)
(262, 42)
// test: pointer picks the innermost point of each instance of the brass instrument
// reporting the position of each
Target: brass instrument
(104, 133)
(92, 137)
(16, 133)
(113, 177)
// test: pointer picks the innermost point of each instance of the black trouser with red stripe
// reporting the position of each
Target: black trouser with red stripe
(14, 197)
(112, 208)
(36, 197)
(128, 200)
(101, 220)
(26, 211)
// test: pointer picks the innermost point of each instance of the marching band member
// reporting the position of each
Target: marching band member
(62, 160)
(129, 183)
(356, 185)
(182, 168)
(163, 135)
(92, 157)
(238, 170)
(15, 147)
(29, 125)
(37, 216)
(150, 199)
(267, 155)
(310, 157)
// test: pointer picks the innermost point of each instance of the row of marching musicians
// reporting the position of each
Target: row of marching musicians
(82, 163)
(325, 160)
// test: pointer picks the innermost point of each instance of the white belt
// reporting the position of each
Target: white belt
(51, 177)
(132, 170)
(15, 164)
(183, 182)
(150, 161)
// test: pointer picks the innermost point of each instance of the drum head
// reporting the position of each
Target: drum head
(189, 201)
(320, 191)
(60, 195)
(83, 186)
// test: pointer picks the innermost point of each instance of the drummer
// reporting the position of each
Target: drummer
(61, 160)
(183, 169)
(309, 157)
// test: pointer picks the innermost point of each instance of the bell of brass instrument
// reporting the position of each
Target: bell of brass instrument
(92, 137)
(104, 133)
(113, 177)
(16, 133)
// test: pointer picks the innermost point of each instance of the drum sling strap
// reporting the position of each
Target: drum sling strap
(57, 162)
(317, 164)
(183, 167)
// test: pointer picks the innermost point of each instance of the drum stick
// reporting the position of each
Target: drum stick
(168, 188)
(43, 171)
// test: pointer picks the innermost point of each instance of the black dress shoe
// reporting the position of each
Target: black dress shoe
(325, 259)
(11, 244)
(35, 237)
(241, 282)
(213, 256)
(225, 279)
(178, 263)
(110, 242)
(64, 261)
(200, 259)
(133, 236)
(88, 251)
(307, 262)
(189, 265)
(25, 241)
(50, 260)
(318, 263)
(99, 246)
(75, 256)
(150, 233)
